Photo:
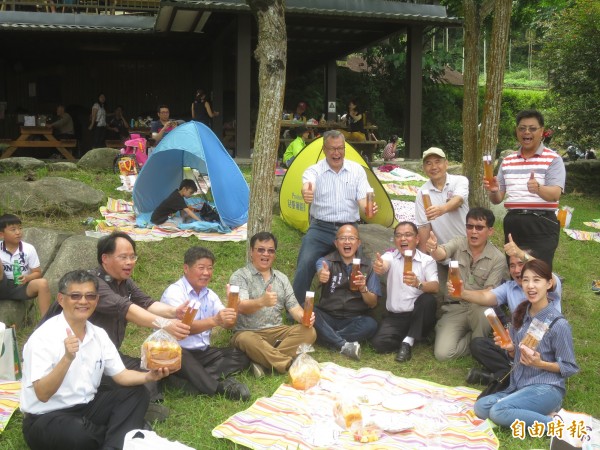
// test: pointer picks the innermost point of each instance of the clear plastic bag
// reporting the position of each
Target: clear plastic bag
(304, 372)
(161, 350)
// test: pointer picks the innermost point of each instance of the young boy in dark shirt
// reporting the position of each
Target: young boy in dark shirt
(176, 202)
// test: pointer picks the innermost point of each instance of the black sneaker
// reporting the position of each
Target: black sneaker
(156, 412)
(351, 350)
(234, 390)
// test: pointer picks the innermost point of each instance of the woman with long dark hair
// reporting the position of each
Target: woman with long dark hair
(537, 380)
(201, 108)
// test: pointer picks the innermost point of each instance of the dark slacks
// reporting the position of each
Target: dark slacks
(203, 368)
(490, 356)
(538, 232)
(417, 324)
(102, 423)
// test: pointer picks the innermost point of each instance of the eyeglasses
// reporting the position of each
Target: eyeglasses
(262, 250)
(132, 258)
(523, 129)
(347, 239)
(89, 296)
(470, 226)
(334, 149)
(404, 235)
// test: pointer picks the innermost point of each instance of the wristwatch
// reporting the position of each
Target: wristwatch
(366, 291)
(526, 257)
(420, 286)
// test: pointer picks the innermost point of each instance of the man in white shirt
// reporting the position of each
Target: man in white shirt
(204, 368)
(410, 303)
(63, 363)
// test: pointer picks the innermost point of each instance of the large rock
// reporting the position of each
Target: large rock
(76, 252)
(51, 195)
(46, 242)
(21, 163)
(98, 159)
(62, 166)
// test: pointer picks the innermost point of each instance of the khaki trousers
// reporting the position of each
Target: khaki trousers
(259, 345)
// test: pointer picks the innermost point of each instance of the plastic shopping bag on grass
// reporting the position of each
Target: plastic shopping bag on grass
(305, 372)
(10, 363)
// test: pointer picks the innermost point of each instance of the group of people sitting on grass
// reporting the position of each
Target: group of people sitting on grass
(72, 363)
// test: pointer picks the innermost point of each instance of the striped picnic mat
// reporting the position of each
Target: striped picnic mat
(9, 401)
(292, 419)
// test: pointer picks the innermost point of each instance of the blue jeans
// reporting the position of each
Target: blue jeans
(334, 333)
(528, 404)
(317, 242)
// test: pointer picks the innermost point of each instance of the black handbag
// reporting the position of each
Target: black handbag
(208, 213)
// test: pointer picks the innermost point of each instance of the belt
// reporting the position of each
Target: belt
(335, 224)
(452, 303)
(536, 212)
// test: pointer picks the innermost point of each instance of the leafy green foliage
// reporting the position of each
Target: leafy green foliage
(571, 57)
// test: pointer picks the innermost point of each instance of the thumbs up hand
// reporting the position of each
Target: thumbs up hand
(432, 243)
(378, 265)
(324, 273)
(71, 345)
(511, 248)
(269, 298)
(308, 193)
(533, 185)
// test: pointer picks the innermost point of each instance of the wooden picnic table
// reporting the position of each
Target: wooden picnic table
(26, 140)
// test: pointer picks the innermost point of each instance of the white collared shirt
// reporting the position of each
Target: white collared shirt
(210, 305)
(97, 355)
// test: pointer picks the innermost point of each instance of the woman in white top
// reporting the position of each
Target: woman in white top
(98, 122)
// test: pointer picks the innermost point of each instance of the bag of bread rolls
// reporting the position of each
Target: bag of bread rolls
(160, 350)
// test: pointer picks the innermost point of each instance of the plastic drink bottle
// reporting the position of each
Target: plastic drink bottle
(455, 279)
(408, 260)
(233, 298)
(309, 304)
(190, 313)
(562, 217)
(488, 168)
(17, 272)
(492, 318)
(370, 199)
(354, 274)
(426, 198)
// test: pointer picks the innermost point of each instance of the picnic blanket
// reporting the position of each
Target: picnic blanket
(398, 174)
(304, 420)
(119, 215)
(9, 401)
(401, 189)
(404, 211)
(583, 235)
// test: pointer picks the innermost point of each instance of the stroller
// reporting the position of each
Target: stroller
(131, 157)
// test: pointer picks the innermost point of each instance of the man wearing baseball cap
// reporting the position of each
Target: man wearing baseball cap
(447, 215)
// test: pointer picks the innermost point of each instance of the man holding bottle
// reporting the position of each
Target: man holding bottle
(410, 304)
(481, 266)
(341, 316)
(205, 369)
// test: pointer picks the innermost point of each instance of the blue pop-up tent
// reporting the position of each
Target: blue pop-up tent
(193, 145)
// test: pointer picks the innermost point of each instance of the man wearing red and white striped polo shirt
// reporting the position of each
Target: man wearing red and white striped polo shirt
(531, 182)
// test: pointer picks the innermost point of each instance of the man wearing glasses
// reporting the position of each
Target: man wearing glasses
(335, 188)
(341, 316)
(265, 293)
(411, 304)
(481, 266)
(163, 126)
(63, 362)
(530, 182)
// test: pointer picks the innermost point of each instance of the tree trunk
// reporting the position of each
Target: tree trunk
(470, 114)
(271, 54)
(494, 84)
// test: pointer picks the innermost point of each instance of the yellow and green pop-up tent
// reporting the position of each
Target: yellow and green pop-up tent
(294, 211)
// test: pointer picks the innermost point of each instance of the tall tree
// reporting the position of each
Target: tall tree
(271, 54)
(475, 13)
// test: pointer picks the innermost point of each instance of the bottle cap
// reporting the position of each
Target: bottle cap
(454, 264)
(310, 294)
(490, 312)
(424, 191)
(356, 261)
(408, 253)
(234, 289)
(370, 189)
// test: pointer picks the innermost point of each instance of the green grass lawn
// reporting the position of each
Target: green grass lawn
(193, 417)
